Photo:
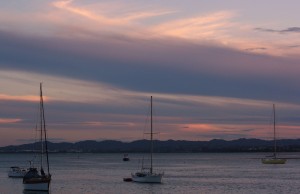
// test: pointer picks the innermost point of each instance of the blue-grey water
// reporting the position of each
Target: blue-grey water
(211, 173)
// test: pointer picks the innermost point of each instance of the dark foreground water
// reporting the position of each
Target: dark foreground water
(184, 173)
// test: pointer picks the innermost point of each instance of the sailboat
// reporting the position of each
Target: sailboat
(36, 179)
(273, 159)
(147, 175)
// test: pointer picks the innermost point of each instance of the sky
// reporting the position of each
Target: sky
(214, 69)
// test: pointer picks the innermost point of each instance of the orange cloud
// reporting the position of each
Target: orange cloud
(200, 127)
(4, 120)
(210, 26)
(287, 131)
(120, 18)
(97, 123)
(20, 98)
(259, 131)
(117, 20)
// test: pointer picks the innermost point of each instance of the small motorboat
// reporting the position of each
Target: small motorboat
(17, 172)
(126, 157)
(127, 179)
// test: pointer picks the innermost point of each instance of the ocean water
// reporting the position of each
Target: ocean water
(212, 173)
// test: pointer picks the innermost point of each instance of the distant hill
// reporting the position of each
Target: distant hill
(169, 146)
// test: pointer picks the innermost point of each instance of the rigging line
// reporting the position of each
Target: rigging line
(145, 128)
(151, 168)
(146, 120)
(36, 132)
(44, 126)
(275, 146)
(156, 127)
(41, 127)
(277, 132)
(271, 124)
(34, 146)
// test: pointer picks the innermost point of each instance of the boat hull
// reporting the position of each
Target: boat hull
(147, 178)
(273, 161)
(37, 186)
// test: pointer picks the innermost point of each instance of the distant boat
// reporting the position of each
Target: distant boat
(127, 179)
(126, 158)
(147, 175)
(35, 179)
(17, 172)
(273, 159)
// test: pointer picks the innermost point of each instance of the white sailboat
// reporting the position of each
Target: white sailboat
(147, 175)
(36, 179)
(273, 159)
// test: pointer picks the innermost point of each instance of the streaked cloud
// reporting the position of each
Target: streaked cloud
(212, 73)
(19, 98)
(9, 120)
(106, 19)
(25, 141)
(202, 28)
(294, 46)
(117, 20)
(287, 30)
(75, 90)
(254, 49)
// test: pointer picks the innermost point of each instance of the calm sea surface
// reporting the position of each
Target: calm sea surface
(184, 173)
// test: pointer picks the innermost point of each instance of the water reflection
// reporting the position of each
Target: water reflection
(35, 192)
(192, 173)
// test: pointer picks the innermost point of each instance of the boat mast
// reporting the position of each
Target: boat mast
(275, 146)
(151, 138)
(41, 125)
(44, 127)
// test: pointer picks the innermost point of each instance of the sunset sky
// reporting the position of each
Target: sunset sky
(214, 68)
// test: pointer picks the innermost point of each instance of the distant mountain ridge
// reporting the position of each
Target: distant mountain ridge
(169, 146)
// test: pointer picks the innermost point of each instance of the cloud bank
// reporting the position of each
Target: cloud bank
(210, 73)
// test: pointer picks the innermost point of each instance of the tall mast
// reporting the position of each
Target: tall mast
(44, 127)
(41, 125)
(274, 130)
(151, 138)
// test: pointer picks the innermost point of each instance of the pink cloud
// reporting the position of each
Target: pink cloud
(116, 20)
(6, 120)
(20, 98)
